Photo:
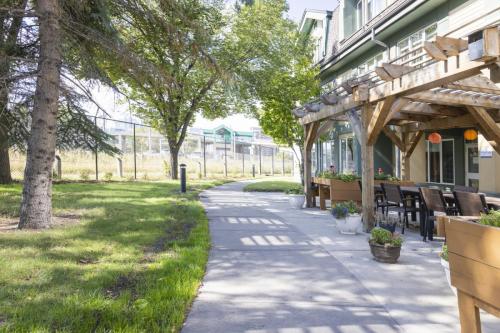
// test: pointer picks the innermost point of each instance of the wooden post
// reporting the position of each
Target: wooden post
(310, 131)
(59, 167)
(119, 167)
(367, 170)
(469, 314)
(405, 158)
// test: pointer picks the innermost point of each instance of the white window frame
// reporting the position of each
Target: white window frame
(341, 158)
(411, 46)
(440, 162)
(359, 8)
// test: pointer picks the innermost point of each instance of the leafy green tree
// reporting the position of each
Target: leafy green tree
(184, 42)
(281, 72)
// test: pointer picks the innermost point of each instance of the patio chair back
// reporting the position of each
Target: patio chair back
(470, 204)
(433, 199)
(392, 193)
(462, 188)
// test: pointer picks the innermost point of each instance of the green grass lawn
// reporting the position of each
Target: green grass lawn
(131, 261)
(272, 186)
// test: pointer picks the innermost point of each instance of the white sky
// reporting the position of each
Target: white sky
(108, 101)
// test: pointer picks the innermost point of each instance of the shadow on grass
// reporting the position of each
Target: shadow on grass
(71, 279)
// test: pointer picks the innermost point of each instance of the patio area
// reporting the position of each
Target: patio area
(274, 268)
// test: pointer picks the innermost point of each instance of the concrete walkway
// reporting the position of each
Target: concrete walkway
(273, 268)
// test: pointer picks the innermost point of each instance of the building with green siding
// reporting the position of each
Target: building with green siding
(358, 35)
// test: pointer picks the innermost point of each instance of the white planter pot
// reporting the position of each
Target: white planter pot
(351, 225)
(446, 266)
(297, 200)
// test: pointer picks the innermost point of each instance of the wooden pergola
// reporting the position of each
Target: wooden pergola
(456, 88)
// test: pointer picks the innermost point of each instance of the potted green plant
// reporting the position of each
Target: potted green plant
(385, 246)
(296, 197)
(348, 217)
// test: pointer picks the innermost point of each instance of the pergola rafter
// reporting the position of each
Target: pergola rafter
(452, 91)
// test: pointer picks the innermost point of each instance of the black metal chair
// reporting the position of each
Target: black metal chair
(379, 197)
(397, 202)
(462, 188)
(470, 204)
(432, 201)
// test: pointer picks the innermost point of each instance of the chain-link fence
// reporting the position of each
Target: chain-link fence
(145, 155)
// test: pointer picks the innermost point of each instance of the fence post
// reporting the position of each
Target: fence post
(204, 158)
(283, 163)
(183, 177)
(260, 160)
(135, 157)
(272, 161)
(58, 167)
(253, 170)
(96, 161)
(119, 167)
(243, 161)
(225, 157)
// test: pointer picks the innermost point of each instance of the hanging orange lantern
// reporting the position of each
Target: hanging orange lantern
(470, 135)
(434, 138)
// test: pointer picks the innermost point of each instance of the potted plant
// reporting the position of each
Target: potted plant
(385, 246)
(296, 197)
(446, 266)
(348, 217)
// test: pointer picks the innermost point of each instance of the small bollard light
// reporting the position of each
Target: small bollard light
(253, 170)
(183, 177)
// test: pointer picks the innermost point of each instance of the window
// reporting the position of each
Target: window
(374, 7)
(359, 14)
(347, 162)
(441, 162)
(411, 47)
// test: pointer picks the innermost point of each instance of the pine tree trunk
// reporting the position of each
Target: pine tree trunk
(5, 176)
(174, 162)
(36, 206)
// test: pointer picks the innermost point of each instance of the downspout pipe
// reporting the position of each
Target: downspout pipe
(378, 42)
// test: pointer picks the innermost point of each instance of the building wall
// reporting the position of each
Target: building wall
(489, 168)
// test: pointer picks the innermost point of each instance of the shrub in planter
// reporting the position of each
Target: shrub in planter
(347, 216)
(492, 218)
(296, 197)
(384, 245)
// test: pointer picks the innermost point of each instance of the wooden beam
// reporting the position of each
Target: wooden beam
(455, 98)
(355, 122)
(451, 46)
(360, 93)
(393, 136)
(487, 123)
(412, 117)
(478, 83)
(396, 107)
(396, 71)
(434, 51)
(312, 107)
(329, 99)
(324, 127)
(432, 76)
(413, 142)
(329, 111)
(439, 124)
(382, 74)
(378, 120)
(311, 134)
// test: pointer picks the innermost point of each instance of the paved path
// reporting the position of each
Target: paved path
(273, 268)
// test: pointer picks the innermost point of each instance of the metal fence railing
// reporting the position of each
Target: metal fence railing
(145, 156)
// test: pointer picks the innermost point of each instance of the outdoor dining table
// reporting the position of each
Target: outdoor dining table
(413, 191)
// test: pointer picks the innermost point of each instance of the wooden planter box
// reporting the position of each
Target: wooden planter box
(338, 190)
(474, 257)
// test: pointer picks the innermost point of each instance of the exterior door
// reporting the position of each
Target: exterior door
(472, 165)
